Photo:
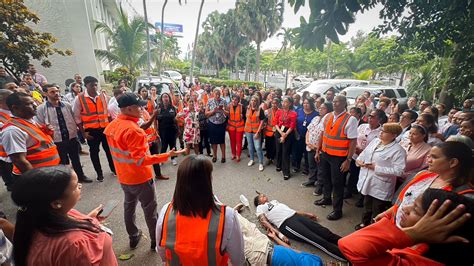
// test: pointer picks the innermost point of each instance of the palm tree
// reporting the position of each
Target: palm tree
(128, 42)
(259, 20)
(161, 35)
(193, 61)
(288, 37)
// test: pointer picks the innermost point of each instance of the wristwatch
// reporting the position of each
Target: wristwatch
(349, 159)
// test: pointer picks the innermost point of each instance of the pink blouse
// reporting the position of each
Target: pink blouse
(417, 156)
(75, 247)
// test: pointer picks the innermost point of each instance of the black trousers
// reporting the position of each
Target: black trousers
(69, 152)
(168, 139)
(204, 142)
(94, 149)
(270, 147)
(154, 150)
(353, 177)
(373, 207)
(333, 179)
(302, 228)
(312, 167)
(298, 153)
(6, 173)
(283, 151)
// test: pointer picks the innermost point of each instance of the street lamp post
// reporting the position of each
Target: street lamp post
(147, 41)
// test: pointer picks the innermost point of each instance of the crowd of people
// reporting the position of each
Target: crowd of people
(409, 166)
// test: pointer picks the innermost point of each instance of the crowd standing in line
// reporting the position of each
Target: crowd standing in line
(409, 166)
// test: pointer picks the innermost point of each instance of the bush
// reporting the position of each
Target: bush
(229, 83)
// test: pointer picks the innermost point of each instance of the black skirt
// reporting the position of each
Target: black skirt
(216, 133)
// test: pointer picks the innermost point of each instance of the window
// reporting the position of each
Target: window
(389, 93)
(402, 93)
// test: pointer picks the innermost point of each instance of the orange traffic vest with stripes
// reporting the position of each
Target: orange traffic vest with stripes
(93, 114)
(130, 171)
(235, 122)
(150, 107)
(335, 141)
(253, 120)
(462, 190)
(43, 152)
(269, 127)
(151, 133)
(4, 118)
(192, 240)
(180, 120)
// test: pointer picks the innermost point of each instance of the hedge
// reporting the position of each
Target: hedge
(229, 83)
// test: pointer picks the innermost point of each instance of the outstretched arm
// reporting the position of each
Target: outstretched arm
(264, 221)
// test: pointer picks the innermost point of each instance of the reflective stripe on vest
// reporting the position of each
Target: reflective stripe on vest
(43, 152)
(120, 156)
(253, 121)
(335, 141)
(235, 122)
(4, 118)
(269, 127)
(93, 114)
(177, 252)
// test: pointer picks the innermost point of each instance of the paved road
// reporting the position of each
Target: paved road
(230, 180)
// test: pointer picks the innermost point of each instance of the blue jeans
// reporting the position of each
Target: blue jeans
(255, 145)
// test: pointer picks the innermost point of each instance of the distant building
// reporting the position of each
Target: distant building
(72, 23)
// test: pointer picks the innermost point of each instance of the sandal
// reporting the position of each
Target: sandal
(223, 160)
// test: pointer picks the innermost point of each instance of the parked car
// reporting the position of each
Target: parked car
(321, 86)
(300, 81)
(171, 74)
(162, 84)
(390, 91)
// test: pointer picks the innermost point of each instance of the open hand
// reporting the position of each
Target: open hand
(95, 212)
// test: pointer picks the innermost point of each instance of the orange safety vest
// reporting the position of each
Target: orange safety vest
(151, 133)
(4, 118)
(150, 107)
(43, 152)
(235, 122)
(180, 120)
(269, 127)
(205, 98)
(192, 240)
(464, 189)
(130, 171)
(335, 141)
(253, 121)
(94, 114)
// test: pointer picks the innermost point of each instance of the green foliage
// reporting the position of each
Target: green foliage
(128, 46)
(229, 83)
(118, 74)
(430, 80)
(363, 75)
(19, 43)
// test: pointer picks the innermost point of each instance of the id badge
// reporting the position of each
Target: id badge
(283, 128)
(304, 123)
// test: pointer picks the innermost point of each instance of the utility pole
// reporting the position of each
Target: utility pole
(193, 60)
(162, 29)
(147, 41)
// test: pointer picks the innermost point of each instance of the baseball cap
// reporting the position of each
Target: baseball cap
(129, 99)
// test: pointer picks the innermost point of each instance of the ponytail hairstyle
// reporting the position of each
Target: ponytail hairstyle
(33, 193)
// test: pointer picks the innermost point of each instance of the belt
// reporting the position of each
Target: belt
(269, 253)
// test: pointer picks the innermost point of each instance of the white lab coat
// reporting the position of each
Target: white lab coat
(389, 161)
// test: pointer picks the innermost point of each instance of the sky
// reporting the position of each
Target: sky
(187, 14)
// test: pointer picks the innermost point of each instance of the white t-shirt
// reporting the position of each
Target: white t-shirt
(275, 212)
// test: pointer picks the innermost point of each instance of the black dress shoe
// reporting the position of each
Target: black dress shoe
(85, 179)
(318, 191)
(135, 239)
(308, 183)
(153, 245)
(334, 215)
(286, 177)
(278, 169)
(100, 178)
(322, 201)
(360, 203)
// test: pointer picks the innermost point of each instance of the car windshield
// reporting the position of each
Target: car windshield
(353, 93)
(160, 86)
(320, 88)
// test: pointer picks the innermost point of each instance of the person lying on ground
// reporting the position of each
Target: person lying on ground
(435, 230)
(286, 222)
(260, 250)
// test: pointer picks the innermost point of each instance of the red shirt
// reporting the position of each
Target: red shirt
(285, 118)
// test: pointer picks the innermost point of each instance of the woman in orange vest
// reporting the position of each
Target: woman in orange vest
(429, 234)
(194, 229)
(235, 127)
(150, 106)
(270, 130)
(253, 127)
(449, 168)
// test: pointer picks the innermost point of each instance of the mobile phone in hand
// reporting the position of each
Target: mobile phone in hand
(108, 208)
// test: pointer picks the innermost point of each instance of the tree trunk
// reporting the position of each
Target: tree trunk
(257, 63)
(402, 77)
(236, 64)
(217, 67)
(195, 43)
(247, 62)
(161, 36)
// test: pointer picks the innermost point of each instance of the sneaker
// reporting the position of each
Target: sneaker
(308, 183)
(114, 173)
(174, 161)
(260, 167)
(100, 178)
(85, 179)
(250, 163)
(135, 239)
(244, 201)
